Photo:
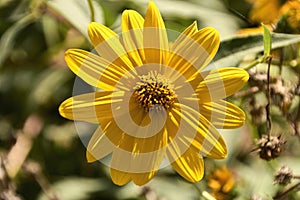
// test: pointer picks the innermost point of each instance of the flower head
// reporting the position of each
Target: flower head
(221, 182)
(266, 11)
(283, 176)
(270, 147)
(156, 100)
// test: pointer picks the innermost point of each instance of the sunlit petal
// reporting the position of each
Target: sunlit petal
(189, 164)
(197, 50)
(119, 178)
(142, 178)
(223, 114)
(90, 107)
(99, 146)
(199, 133)
(221, 83)
(132, 36)
(155, 36)
(93, 69)
(107, 44)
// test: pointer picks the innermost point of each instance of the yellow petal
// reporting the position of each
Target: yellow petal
(221, 83)
(177, 61)
(132, 129)
(132, 35)
(141, 179)
(93, 69)
(99, 146)
(194, 52)
(119, 178)
(141, 166)
(107, 44)
(184, 36)
(128, 142)
(91, 107)
(155, 36)
(198, 133)
(223, 114)
(189, 165)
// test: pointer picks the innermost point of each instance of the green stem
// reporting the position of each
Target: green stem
(262, 59)
(92, 10)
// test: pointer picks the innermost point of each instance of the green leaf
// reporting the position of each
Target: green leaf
(76, 188)
(7, 41)
(233, 50)
(267, 41)
(77, 13)
(207, 14)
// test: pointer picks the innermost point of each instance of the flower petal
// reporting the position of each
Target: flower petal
(194, 51)
(132, 128)
(183, 37)
(141, 167)
(119, 178)
(90, 107)
(189, 165)
(142, 178)
(99, 146)
(187, 70)
(221, 83)
(132, 36)
(155, 36)
(223, 114)
(107, 44)
(93, 69)
(196, 132)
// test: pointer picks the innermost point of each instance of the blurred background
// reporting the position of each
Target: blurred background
(41, 153)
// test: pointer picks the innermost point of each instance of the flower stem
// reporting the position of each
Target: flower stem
(296, 176)
(262, 59)
(253, 64)
(268, 98)
(92, 10)
(286, 192)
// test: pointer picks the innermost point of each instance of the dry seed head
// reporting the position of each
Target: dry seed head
(270, 147)
(283, 176)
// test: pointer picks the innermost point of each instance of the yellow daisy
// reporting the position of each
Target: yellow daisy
(155, 101)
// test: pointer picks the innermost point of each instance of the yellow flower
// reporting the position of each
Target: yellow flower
(221, 182)
(280, 16)
(265, 11)
(289, 21)
(156, 101)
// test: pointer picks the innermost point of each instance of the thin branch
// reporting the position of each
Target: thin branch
(286, 192)
(35, 170)
(268, 98)
(249, 91)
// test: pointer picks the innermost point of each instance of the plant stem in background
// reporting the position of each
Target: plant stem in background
(92, 10)
(283, 195)
(268, 98)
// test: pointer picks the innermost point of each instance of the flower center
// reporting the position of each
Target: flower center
(154, 89)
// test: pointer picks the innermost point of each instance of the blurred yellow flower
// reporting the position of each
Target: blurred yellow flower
(221, 182)
(265, 11)
(280, 16)
(289, 22)
(156, 101)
